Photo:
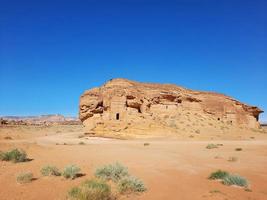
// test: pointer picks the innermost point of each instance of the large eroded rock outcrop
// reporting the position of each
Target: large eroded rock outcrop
(122, 105)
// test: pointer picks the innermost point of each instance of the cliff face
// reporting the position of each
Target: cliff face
(124, 105)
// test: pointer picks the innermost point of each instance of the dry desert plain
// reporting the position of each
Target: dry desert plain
(172, 168)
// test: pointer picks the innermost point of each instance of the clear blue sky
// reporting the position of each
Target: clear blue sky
(51, 51)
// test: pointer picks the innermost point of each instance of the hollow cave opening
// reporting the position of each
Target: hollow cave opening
(117, 116)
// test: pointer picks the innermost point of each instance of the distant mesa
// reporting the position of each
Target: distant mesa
(38, 120)
(121, 105)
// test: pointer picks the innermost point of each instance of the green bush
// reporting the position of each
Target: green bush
(219, 174)
(71, 171)
(130, 184)
(235, 180)
(24, 177)
(229, 179)
(50, 171)
(14, 155)
(94, 189)
(113, 172)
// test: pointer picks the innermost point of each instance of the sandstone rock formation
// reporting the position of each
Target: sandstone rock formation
(122, 105)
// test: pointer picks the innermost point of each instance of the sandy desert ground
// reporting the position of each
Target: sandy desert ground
(171, 168)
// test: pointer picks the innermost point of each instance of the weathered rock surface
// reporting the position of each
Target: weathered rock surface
(127, 106)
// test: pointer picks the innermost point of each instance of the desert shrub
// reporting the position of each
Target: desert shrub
(14, 155)
(238, 149)
(94, 189)
(24, 177)
(211, 146)
(50, 171)
(113, 172)
(130, 184)
(81, 143)
(2, 155)
(146, 144)
(219, 174)
(71, 171)
(235, 180)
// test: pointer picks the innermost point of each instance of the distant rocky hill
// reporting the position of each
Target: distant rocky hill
(121, 105)
(39, 120)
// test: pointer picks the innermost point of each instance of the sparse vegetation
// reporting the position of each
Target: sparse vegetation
(25, 177)
(94, 189)
(130, 184)
(238, 149)
(211, 146)
(146, 144)
(235, 180)
(219, 174)
(14, 155)
(50, 171)
(229, 179)
(119, 174)
(113, 172)
(71, 171)
(81, 143)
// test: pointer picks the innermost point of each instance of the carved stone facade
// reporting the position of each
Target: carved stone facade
(124, 105)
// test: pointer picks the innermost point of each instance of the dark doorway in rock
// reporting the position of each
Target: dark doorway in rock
(117, 116)
(219, 119)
